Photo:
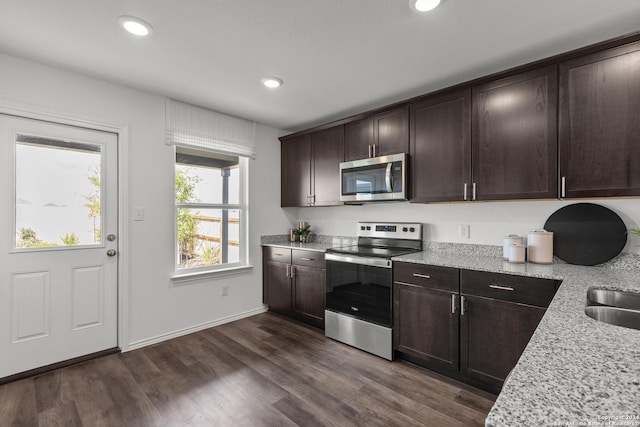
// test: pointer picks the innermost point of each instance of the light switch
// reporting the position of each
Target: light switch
(138, 214)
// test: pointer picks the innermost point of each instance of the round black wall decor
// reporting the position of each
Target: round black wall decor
(586, 233)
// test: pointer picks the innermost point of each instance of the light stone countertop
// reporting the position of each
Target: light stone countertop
(575, 370)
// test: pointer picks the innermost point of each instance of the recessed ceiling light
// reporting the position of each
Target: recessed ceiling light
(272, 82)
(135, 25)
(424, 5)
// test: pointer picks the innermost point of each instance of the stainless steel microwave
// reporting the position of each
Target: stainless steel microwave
(376, 179)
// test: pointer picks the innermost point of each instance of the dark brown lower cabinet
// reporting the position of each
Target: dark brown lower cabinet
(426, 325)
(308, 294)
(470, 325)
(493, 335)
(426, 314)
(293, 283)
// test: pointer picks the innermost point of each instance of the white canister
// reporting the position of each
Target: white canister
(516, 253)
(509, 240)
(540, 246)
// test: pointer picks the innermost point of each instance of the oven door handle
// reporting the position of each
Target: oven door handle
(373, 262)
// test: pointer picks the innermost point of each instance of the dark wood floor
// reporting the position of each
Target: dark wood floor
(260, 371)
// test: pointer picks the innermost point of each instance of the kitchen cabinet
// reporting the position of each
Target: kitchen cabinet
(381, 134)
(470, 325)
(599, 126)
(441, 148)
(276, 280)
(294, 283)
(426, 314)
(327, 150)
(514, 137)
(310, 168)
(498, 315)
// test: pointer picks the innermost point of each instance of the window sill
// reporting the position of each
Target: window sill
(199, 275)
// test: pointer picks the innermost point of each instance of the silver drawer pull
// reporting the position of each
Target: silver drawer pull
(355, 309)
(502, 288)
(306, 259)
(279, 254)
(423, 276)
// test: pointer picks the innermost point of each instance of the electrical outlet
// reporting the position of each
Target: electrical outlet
(224, 290)
(465, 231)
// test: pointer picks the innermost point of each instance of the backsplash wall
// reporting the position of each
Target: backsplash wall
(489, 221)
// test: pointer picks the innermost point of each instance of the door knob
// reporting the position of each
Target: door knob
(111, 237)
(111, 252)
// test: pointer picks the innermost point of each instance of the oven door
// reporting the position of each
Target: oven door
(360, 287)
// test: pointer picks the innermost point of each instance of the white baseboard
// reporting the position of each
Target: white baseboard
(175, 334)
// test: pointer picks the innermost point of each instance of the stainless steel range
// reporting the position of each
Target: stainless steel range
(360, 285)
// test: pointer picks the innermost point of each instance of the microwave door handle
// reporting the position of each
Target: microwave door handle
(389, 178)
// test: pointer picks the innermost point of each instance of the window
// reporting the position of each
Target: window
(210, 194)
(64, 208)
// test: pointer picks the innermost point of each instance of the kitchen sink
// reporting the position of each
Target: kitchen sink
(618, 308)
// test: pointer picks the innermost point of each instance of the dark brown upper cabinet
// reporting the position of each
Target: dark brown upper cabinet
(441, 147)
(310, 168)
(600, 124)
(380, 134)
(327, 148)
(514, 137)
(295, 175)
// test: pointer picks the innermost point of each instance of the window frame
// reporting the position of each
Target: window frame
(242, 207)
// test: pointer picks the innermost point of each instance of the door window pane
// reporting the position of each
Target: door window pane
(57, 193)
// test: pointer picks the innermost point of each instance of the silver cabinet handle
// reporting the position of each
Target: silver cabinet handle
(306, 259)
(370, 151)
(422, 276)
(473, 190)
(374, 149)
(563, 190)
(288, 270)
(502, 288)
(453, 303)
(465, 191)
(462, 305)
(293, 271)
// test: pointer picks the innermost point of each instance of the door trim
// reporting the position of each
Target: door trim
(122, 132)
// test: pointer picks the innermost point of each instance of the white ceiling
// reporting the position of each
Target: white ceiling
(336, 57)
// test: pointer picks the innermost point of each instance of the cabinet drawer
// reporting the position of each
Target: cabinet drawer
(506, 287)
(429, 276)
(308, 258)
(272, 253)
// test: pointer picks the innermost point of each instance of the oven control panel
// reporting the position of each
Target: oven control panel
(390, 230)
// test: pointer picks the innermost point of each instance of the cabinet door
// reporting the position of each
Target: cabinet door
(358, 138)
(295, 171)
(599, 123)
(308, 294)
(327, 152)
(276, 286)
(391, 131)
(426, 325)
(493, 335)
(441, 148)
(514, 137)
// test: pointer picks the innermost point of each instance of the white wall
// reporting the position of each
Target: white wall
(157, 306)
(489, 221)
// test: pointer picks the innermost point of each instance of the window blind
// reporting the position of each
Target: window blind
(190, 126)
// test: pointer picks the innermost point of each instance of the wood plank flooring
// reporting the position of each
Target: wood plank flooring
(265, 370)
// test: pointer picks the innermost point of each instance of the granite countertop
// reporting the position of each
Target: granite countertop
(575, 370)
(319, 243)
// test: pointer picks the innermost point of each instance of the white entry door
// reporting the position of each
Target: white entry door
(58, 243)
